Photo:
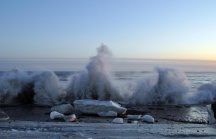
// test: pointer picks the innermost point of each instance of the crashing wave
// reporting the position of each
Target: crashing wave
(12, 84)
(23, 88)
(166, 86)
(95, 81)
(206, 93)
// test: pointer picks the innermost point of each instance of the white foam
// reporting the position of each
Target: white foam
(47, 89)
(206, 93)
(166, 86)
(95, 81)
(11, 84)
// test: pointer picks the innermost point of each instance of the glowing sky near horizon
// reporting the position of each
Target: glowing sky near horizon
(159, 29)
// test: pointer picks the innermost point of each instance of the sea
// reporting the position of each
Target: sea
(139, 81)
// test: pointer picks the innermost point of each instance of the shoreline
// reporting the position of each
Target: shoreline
(177, 121)
(196, 114)
(32, 129)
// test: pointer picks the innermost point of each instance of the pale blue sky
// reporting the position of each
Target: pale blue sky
(160, 29)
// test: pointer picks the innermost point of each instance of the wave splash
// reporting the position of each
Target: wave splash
(12, 83)
(21, 87)
(45, 88)
(205, 94)
(165, 86)
(95, 81)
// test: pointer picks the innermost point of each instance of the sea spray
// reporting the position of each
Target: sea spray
(11, 84)
(95, 81)
(37, 88)
(206, 94)
(47, 88)
(165, 86)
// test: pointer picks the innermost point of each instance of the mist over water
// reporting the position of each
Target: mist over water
(21, 87)
(166, 86)
(95, 81)
(161, 86)
(206, 93)
(47, 88)
(12, 84)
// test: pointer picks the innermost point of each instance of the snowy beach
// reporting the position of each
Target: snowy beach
(55, 130)
(171, 121)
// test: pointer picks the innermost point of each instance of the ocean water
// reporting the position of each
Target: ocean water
(128, 80)
(102, 77)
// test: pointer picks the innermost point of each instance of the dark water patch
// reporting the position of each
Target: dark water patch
(27, 95)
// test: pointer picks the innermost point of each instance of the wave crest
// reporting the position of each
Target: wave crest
(166, 86)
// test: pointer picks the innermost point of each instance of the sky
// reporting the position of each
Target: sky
(157, 29)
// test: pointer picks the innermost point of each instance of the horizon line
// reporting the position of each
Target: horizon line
(35, 58)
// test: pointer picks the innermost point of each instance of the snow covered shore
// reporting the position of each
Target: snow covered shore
(170, 121)
(29, 129)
